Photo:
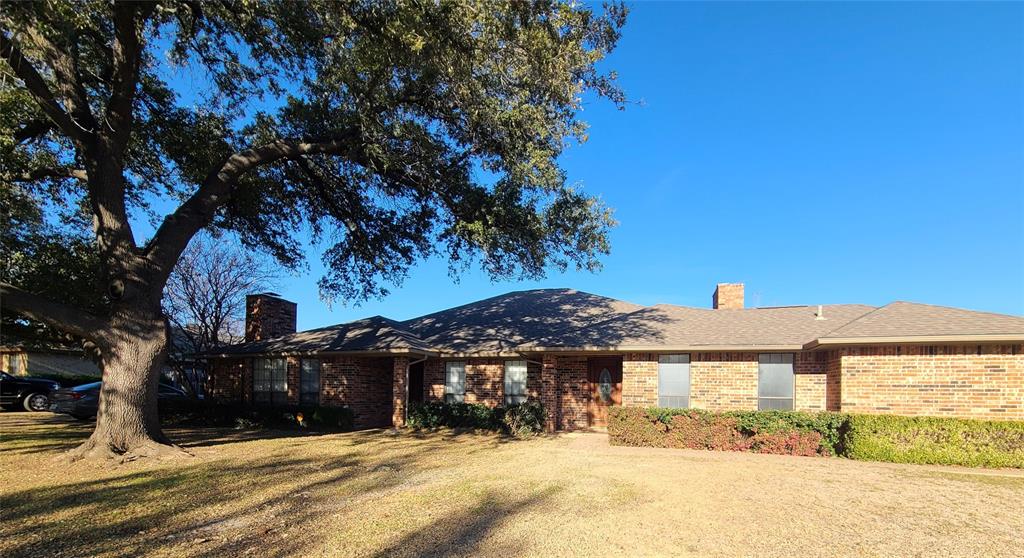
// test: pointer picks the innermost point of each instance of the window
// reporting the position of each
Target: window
(309, 381)
(270, 381)
(455, 382)
(674, 381)
(775, 381)
(515, 382)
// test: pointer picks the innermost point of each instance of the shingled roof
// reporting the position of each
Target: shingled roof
(570, 320)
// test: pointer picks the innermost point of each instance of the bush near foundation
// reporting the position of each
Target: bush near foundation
(517, 420)
(946, 441)
(297, 417)
(782, 432)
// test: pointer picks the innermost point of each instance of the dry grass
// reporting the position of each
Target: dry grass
(375, 494)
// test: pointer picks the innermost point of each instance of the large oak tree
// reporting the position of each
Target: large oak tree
(388, 131)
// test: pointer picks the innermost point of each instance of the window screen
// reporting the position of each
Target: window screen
(270, 381)
(455, 382)
(674, 381)
(775, 381)
(515, 382)
(309, 381)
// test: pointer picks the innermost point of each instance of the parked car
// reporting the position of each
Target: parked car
(82, 402)
(31, 394)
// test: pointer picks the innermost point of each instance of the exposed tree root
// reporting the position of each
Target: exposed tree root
(91, 451)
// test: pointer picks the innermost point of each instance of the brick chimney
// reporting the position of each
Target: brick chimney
(267, 315)
(728, 295)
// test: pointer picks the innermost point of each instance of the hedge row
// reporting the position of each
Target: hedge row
(946, 441)
(299, 417)
(867, 437)
(518, 420)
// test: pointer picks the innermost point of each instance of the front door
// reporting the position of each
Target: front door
(605, 380)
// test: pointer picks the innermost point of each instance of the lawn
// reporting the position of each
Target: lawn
(379, 494)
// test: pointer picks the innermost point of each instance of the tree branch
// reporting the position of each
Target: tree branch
(198, 211)
(54, 314)
(40, 174)
(125, 60)
(37, 87)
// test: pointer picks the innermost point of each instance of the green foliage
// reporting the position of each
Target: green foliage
(897, 439)
(517, 420)
(291, 417)
(523, 419)
(445, 122)
(947, 441)
(750, 423)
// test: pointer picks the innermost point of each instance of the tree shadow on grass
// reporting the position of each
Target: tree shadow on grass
(466, 533)
(231, 505)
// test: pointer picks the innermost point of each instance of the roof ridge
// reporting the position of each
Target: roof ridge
(858, 318)
(912, 303)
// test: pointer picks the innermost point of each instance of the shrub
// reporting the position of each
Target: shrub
(947, 441)
(517, 420)
(891, 438)
(733, 430)
(523, 419)
(207, 413)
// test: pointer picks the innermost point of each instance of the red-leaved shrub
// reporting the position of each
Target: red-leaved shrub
(695, 429)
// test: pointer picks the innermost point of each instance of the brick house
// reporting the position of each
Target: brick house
(579, 353)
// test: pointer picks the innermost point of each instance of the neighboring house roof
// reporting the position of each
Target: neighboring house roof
(570, 320)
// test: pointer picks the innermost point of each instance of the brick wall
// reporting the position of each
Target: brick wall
(723, 381)
(362, 384)
(810, 381)
(399, 384)
(485, 380)
(640, 380)
(833, 380)
(268, 316)
(962, 381)
(226, 379)
(573, 393)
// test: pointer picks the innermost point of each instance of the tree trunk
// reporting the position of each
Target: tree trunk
(127, 422)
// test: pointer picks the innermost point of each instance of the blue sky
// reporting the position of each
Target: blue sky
(819, 153)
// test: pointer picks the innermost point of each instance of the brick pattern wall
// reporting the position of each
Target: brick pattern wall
(640, 380)
(268, 316)
(399, 384)
(833, 381)
(485, 380)
(433, 380)
(723, 381)
(953, 381)
(573, 393)
(225, 379)
(727, 295)
(810, 381)
(363, 384)
(549, 391)
(809, 392)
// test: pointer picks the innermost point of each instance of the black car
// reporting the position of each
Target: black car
(31, 394)
(83, 401)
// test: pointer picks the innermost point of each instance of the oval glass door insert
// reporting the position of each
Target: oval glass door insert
(604, 385)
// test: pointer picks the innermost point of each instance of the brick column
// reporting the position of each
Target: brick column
(400, 390)
(292, 371)
(549, 391)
